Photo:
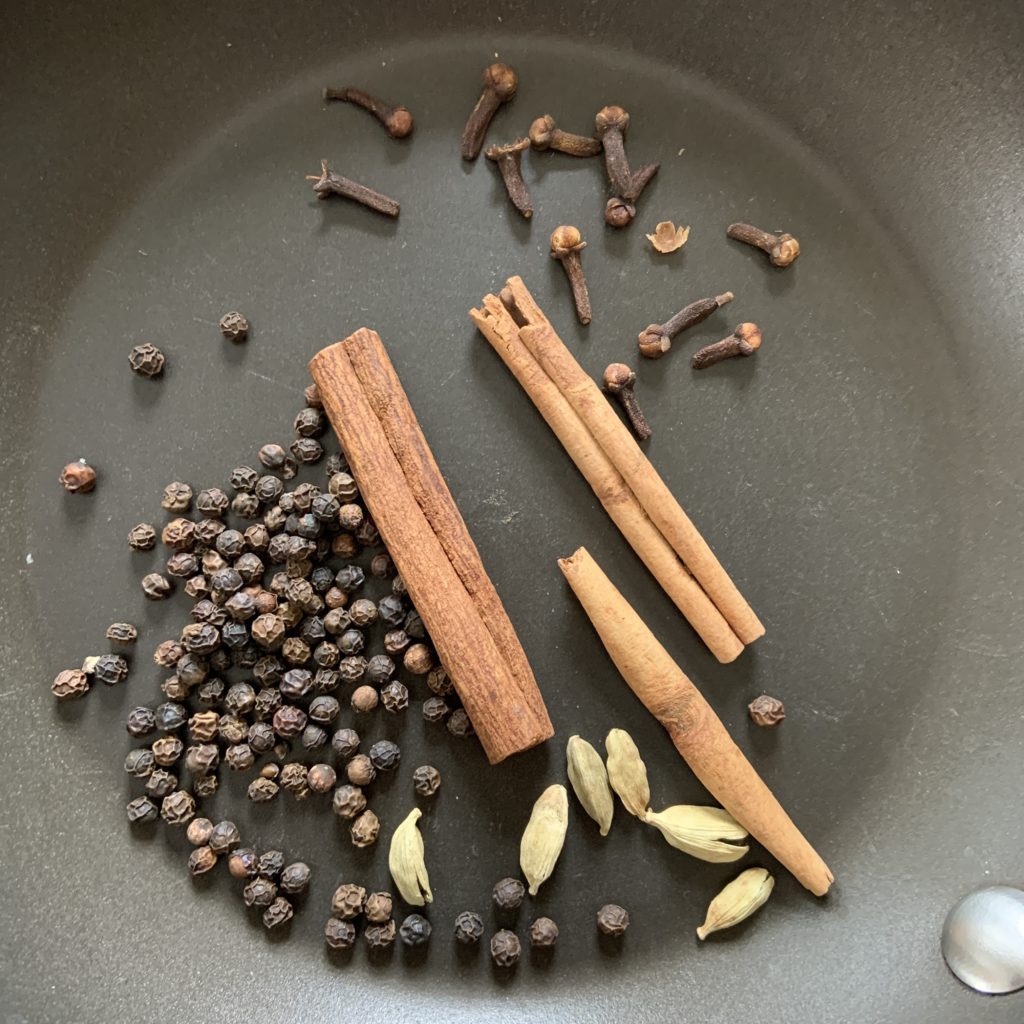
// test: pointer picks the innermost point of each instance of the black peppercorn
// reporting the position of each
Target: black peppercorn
(415, 931)
(343, 487)
(321, 778)
(240, 699)
(268, 670)
(278, 913)
(208, 530)
(232, 729)
(426, 780)
(295, 651)
(197, 586)
(326, 655)
(226, 581)
(201, 860)
(210, 563)
(295, 878)
(365, 829)
(177, 497)
(260, 892)
(168, 653)
(321, 579)
(391, 610)
(543, 933)
(508, 894)
(349, 578)
(224, 837)
(345, 743)
(122, 633)
(199, 831)
(179, 534)
(418, 659)
(382, 565)
(161, 783)
(191, 669)
(469, 928)
(147, 360)
(234, 326)
(344, 545)
(379, 669)
(202, 759)
(212, 502)
(239, 757)
(348, 802)
(241, 607)
(368, 535)
(142, 810)
(348, 900)
(324, 710)
(310, 422)
(230, 543)
(612, 919)
(243, 478)
(156, 587)
(201, 637)
(363, 613)
(141, 721)
(296, 683)
(435, 710)
(414, 626)
(243, 863)
(395, 641)
(312, 630)
(204, 786)
(395, 696)
(245, 656)
(167, 750)
(210, 691)
(378, 907)
(235, 635)
(110, 669)
(178, 808)
(268, 489)
(364, 699)
(271, 863)
(385, 755)
(268, 631)
(206, 611)
(351, 516)
(70, 683)
(272, 456)
(352, 641)
(170, 716)
(459, 724)
(380, 936)
(250, 567)
(398, 587)
(174, 688)
(326, 679)
(202, 726)
(261, 737)
(339, 934)
(262, 790)
(142, 537)
(182, 565)
(257, 537)
(336, 621)
(267, 701)
(245, 505)
(505, 948)
(307, 450)
(293, 778)
(360, 770)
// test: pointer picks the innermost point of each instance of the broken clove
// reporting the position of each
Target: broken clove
(509, 161)
(656, 339)
(545, 134)
(500, 84)
(620, 210)
(329, 182)
(619, 381)
(744, 341)
(397, 120)
(782, 248)
(566, 246)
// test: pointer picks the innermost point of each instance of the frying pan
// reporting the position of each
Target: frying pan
(860, 477)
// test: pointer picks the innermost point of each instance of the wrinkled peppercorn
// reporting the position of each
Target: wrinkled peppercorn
(382, 565)
(168, 653)
(324, 710)
(224, 837)
(343, 487)
(413, 625)
(212, 502)
(348, 802)
(378, 907)
(240, 699)
(161, 783)
(206, 611)
(174, 688)
(339, 934)
(307, 450)
(204, 786)
(177, 497)
(313, 736)
(141, 721)
(197, 586)
(349, 578)
(234, 326)
(262, 790)
(295, 878)
(278, 913)
(435, 710)
(348, 900)
(345, 743)
(365, 829)
(426, 780)
(368, 535)
(380, 936)
(379, 669)
(395, 696)
(364, 699)
(337, 621)
(418, 659)
(243, 478)
(156, 587)
(391, 611)
(233, 729)
(261, 737)
(289, 721)
(239, 757)
(78, 477)
(179, 534)
(505, 948)
(202, 759)
(70, 683)
(199, 831)
(142, 810)
(459, 724)
(122, 633)
(415, 931)
(543, 933)
(272, 456)
(271, 863)
(260, 892)
(352, 641)
(508, 894)
(363, 612)
(208, 530)
(360, 770)
(344, 545)
(268, 488)
(612, 919)
(210, 563)
(202, 726)
(142, 537)
(293, 778)
(191, 669)
(147, 360)
(167, 750)
(182, 565)
(178, 808)
(396, 641)
(469, 928)
(257, 537)
(268, 631)
(295, 651)
(170, 716)
(352, 670)
(201, 637)
(385, 755)
(201, 860)
(243, 863)
(310, 422)
(398, 588)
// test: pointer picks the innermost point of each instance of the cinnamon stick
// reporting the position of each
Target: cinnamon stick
(389, 401)
(496, 324)
(629, 459)
(695, 729)
(504, 718)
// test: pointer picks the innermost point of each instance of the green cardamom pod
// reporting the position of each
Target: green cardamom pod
(405, 860)
(627, 773)
(589, 780)
(743, 896)
(544, 836)
(708, 833)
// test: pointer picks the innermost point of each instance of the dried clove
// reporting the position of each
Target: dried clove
(329, 182)
(744, 341)
(619, 381)
(611, 124)
(396, 119)
(782, 248)
(500, 84)
(656, 339)
(566, 246)
(509, 161)
(545, 134)
(766, 711)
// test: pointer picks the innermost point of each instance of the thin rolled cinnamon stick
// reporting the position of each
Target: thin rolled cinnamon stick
(629, 459)
(505, 720)
(696, 731)
(496, 324)
(389, 401)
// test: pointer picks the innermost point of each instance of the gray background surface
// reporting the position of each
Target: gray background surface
(861, 477)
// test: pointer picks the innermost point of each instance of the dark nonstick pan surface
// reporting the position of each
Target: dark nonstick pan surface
(861, 477)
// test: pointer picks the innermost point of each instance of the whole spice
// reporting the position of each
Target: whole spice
(234, 326)
(508, 894)
(348, 802)
(329, 183)
(177, 497)
(782, 248)
(744, 341)
(122, 633)
(360, 770)
(418, 659)
(396, 641)
(611, 124)
(708, 833)
(339, 934)
(667, 237)
(589, 779)
(321, 778)
(619, 382)
(141, 721)
(415, 931)
(156, 587)
(161, 783)
(656, 339)
(204, 786)
(239, 757)
(385, 755)
(458, 723)
(620, 210)
(295, 878)
(612, 919)
(406, 861)
(147, 360)
(261, 737)
(545, 134)
(435, 710)
(289, 721)
(743, 896)
(627, 773)
(348, 900)
(71, 683)
(178, 808)
(364, 699)
(543, 933)
(766, 711)
(224, 837)
(202, 759)
(78, 477)
(380, 936)
(345, 743)
(469, 928)
(544, 836)
(260, 892)
(566, 245)
(110, 669)
(379, 906)
(142, 537)
(243, 864)
(505, 948)
(426, 780)
(167, 750)
(379, 669)
(293, 778)
(499, 86)
(397, 120)
(142, 810)
(509, 160)
(262, 790)
(395, 696)
(271, 863)
(279, 912)
(201, 860)
(199, 831)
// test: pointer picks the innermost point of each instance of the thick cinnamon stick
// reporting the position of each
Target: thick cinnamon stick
(505, 720)
(389, 401)
(696, 731)
(629, 459)
(496, 324)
